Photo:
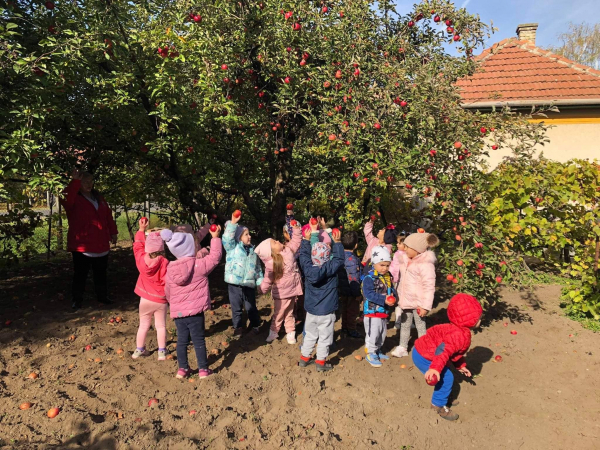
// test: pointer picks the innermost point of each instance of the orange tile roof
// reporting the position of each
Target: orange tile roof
(517, 71)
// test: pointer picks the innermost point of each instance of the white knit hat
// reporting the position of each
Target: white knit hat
(380, 254)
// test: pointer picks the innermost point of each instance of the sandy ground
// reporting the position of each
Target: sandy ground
(544, 393)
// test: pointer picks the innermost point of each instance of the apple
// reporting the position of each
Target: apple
(432, 152)
(224, 67)
(327, 84)
(498, 279)
(190, 149)
(481, 266)
(338, 74)
(332, 137)
(411, 24)
(460, 262)
(342, 14)
(377, 126)
(237, 213)
(88, 348)
(213, 228)
(448, 22)
(456, 37)
(502, 263)
(513, 332)
(288, 15)
(53, 412)
(478, 245)
(494, 147)
(450, 30)
(390, 300)
(49, 5)
(403, 103)
(294, 223)
(324, 9)
(289, 206)
(152, 402)
(356, 72)
(144, 149)
(408, 186)
(421, 230)
(373, 218)
(458, 238)
(297, 27)
(52, 29)
(483, 130)
(365, 179)
(33, 376)
(450, 277)
(433, 380)
(457, 145)
(214, 217)
(24, 406)
(436, 19)
(313, 221)
(303, 62)
(197, 18)
(498, 358)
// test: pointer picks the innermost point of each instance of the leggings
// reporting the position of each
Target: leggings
(159, 311)
(406, 322)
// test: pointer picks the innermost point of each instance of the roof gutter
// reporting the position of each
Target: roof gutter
(526, 103)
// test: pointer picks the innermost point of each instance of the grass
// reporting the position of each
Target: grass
(586, 322)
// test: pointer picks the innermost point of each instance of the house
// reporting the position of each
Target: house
(518, 74)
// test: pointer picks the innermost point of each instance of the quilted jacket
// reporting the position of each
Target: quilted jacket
(450, 341)
(241, 267)
(415, 278)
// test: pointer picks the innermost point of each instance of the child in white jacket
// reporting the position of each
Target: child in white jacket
(414, 268)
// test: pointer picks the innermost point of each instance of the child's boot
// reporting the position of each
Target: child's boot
(203, 373)
(323, 366)
(305, 362)
(399, 352)
(272, 336)
(445, 412)
(373, 359)
(382, 356)
(291, 337)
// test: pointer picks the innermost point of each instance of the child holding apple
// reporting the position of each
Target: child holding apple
(444, 343)
(243, 274)
(187, 291)
(151, 263)
(414, 268)
(282, 276)
(380, 296)
(320, 297)
(386, 237)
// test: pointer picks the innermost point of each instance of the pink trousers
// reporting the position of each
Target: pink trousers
(284, 314)
(159, 311)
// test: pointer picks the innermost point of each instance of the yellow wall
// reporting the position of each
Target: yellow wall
(572, 134)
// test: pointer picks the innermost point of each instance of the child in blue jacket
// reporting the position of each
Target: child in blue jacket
(243, 274)
(320, 297)
(380, 297)
(349, 285)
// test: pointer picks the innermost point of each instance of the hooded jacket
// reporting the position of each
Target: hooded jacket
(372, 242)
(349, 275)
(415, 279)
(90, 229)
(151, 281)
(376, 288)
(450, 341)
(321, 282)
(241, 266)
(290, 284)
(186, 285)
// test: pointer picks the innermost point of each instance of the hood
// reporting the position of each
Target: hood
(464, 310)
(263, 250)
(428, 257)
(181, 270)
(152, 265)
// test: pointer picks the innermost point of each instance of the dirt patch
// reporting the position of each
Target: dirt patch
(544, 393)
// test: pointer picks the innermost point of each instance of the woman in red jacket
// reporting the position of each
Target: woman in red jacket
(91, 230)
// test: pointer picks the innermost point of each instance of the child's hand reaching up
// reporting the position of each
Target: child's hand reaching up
(143, 224)
(307, 234)
(336, 235)
(217, 228)
(466, 372)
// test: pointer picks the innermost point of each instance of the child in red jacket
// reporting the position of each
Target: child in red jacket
(446, 342)
(152, 265)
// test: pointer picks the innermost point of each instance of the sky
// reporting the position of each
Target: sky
(553, 16)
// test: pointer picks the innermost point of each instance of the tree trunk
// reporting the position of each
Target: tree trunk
(129, 226)
(51, 204)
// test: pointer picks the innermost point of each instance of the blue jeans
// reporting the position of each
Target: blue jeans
(443, 388)
(191, 327)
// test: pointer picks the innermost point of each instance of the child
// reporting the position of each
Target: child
(414, 267)
(349, 285)
(150, 286)
(446, 342)
(320, 297)
(187, 291)
(198, 236)
(282, 273)
(385, 236)
(243, 274)
(380, 297)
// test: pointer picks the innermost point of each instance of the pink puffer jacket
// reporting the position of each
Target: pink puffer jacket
(290, 285)
(372, 242)
(186, 285)
(415, 278)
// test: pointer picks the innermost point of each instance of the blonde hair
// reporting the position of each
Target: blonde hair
(277, 265)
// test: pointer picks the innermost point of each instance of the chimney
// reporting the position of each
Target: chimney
(527, 32)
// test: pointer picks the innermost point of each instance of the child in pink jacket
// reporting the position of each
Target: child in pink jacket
(186, 287)
(385, 237)
(414, 268)
(198, 236)
(150, 286)
(282, 276)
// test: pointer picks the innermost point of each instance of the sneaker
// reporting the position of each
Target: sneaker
(272, 336)
(399, 352)
(203, 373)
(183, 373)
(323, 367)
(445, 412)
(255, 330)
(139, 353)
(382, 356)
(162, 355)
(291, 337)
(304, 363)
(373, 359)
(238, 331)
(355, 334)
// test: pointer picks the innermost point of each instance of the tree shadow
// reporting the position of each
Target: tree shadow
(501, 311)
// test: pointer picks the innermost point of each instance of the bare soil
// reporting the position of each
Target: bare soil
(543, 394)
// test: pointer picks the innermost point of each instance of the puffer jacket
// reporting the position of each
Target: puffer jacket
(290, 284)
(372, 242)
(450, 341)
(376, 288)
(241, 267)
(415, 279)
(186, 285)
(151, 282)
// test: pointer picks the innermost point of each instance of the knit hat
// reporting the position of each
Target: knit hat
(380, 254)
(320, 253)
(420, 242)
(263, 250)
(154, 243)
(464, 310)
(390, 235)
(180, 245)
(238, 232)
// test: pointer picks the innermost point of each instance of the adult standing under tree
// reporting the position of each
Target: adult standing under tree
(91, 230)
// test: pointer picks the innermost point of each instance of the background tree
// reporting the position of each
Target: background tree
(581, 44)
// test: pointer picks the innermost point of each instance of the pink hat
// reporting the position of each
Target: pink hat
(154, 243)
(263, 250)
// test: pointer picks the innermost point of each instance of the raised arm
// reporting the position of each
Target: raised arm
(70, 194)
(138, 250)
(203, 232)
(229, 236)
(206, 265)
(368, 231)
(294, 244)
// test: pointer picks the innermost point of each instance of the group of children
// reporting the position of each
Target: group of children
(316, 273)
